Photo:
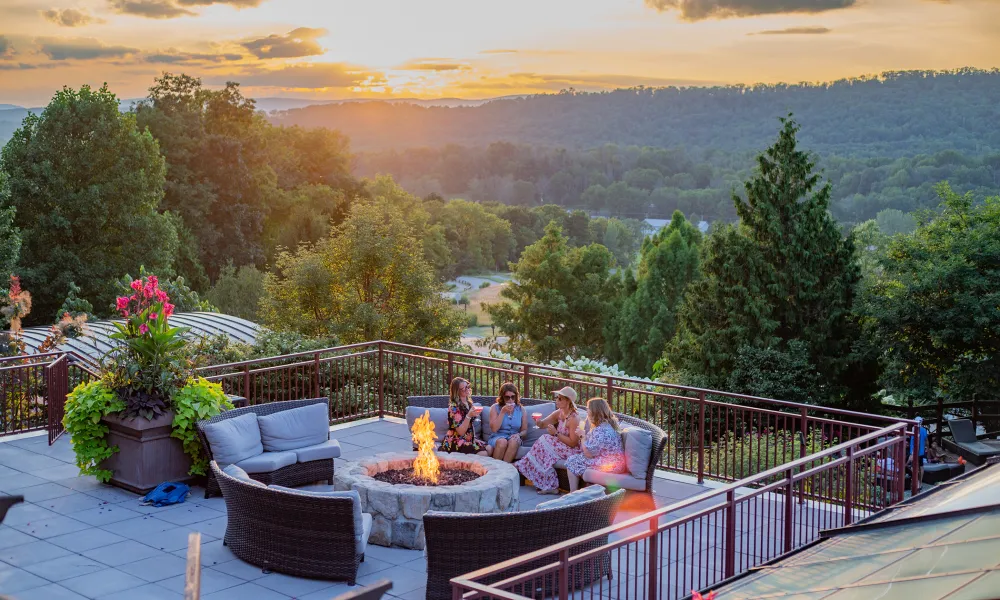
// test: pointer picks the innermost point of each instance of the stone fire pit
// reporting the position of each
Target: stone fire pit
(398, 510)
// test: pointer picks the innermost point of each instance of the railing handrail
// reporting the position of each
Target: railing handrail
(612, 379)
(793, 466)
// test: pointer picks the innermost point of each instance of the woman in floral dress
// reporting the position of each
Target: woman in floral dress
(561, 442)
(602, 446)
(461, 435)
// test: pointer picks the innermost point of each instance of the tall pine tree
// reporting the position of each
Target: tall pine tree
(637, 334)
(777, 290)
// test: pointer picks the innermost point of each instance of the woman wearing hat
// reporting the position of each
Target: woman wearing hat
(561, 441)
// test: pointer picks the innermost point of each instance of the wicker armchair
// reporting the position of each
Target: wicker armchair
(659, 438)
(458, 543)
(290, 476)
(291, 533)
(6, 502)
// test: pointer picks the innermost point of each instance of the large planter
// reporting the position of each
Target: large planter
(147, 455)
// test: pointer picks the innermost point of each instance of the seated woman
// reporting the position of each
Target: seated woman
(561, 442)
(509, 422)
(602, 445)
(461, 435)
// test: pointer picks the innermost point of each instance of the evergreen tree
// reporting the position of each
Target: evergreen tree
(638, 333)
(784, 273)
(560, 298)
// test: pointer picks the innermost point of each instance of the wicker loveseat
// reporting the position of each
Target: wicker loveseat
(301, 471)
(292, 532)
(458, 543)
(610, 480)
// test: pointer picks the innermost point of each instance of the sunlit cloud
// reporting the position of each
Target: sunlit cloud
(794, 31)
(173, 56)
(81, 49)
(171, 9)
(69, 17)
(311, 76)
(433, 65)
(696, 10)
(295, 44)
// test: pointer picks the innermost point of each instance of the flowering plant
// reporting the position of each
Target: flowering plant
(148, 364)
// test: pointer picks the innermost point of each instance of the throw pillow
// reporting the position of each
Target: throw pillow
(439, 416)
(583, 495)
(638, 444)
(233, 440)
(295, 428)
(238, 473)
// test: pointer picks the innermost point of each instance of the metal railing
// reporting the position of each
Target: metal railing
(712, 434)
(700, 542)
(33, 390)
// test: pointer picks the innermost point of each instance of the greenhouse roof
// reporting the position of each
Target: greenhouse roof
(96, 341)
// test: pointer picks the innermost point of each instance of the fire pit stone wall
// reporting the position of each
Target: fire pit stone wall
(397, 510)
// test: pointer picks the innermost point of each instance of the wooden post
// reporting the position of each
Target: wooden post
(316, 375)
(789, 513)
(451, 370)
(653, 567)
(701, 437)
(611, 393)
(246, 384)
(525, 388)
(192, 577)
(564, 575)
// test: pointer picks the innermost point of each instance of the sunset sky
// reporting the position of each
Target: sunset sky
(475, 49)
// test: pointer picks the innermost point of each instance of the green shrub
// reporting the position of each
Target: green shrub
(472, 320)
(85, 406)
(484, 285)
(199, 399)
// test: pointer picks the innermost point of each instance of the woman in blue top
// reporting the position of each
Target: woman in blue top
(508, 422)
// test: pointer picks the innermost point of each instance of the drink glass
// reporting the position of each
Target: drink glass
(537, 416)
(478, 407)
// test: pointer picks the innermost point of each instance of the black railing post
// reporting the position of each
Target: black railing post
(653, 566)
(381, 384)
(849, 487)
(730, 534)
(914, 457)
(525, 388)
(701, 437)
(246, 384)
(789, 508)
(316, 375)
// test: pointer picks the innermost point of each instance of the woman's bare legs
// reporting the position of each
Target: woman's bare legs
(511, 453)
(500, 449)
(574, 481)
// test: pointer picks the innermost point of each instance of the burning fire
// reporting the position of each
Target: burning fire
(426, 464)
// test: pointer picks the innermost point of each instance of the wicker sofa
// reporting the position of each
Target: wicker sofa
(610, 480)
(458, 543)
(293, 531)
(301, 470)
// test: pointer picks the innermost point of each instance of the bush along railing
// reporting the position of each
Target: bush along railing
(700, 542)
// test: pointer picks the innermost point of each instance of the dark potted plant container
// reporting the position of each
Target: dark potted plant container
(147, 455)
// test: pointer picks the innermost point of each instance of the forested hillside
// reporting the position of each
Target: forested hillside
(891, 115)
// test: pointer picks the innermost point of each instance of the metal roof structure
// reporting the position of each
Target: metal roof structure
(96, 342)
(944, 544)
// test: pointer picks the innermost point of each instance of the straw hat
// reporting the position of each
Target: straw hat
(568, 392)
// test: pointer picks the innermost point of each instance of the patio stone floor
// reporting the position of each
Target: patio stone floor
(76, 538)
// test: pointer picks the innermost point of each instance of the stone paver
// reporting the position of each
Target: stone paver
(77, 538)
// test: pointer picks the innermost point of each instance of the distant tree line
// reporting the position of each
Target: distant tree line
(647, 182)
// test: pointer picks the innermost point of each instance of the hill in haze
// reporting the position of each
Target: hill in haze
(894, 114)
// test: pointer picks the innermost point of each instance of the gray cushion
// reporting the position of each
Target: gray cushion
(361, 532)
(439, 416)
(638, 444)
(238, 473)
(267, 462)
(614, 481)
(328, 449)
(233, 440)
(588, 493)
(295, 428)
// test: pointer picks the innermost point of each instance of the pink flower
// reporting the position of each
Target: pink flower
(143, 328)
(168, 309)
(122, 303)
(137, 285)
(161, 296)
(152, 316)
(153, 281)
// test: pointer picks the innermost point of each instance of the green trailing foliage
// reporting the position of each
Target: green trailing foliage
(200, 399)
(86, 405)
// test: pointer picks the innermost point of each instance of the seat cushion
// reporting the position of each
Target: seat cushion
(638, 444)
(361, 530)
(233, 440)
(588, 493)
(295, 428)
(439, 416)
(238, 473)
(328, 449)
(614, 481)
(267, 462)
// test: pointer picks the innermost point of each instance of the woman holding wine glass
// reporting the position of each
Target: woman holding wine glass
(508, 422)
(461, 435)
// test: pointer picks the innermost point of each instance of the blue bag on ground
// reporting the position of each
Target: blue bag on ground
(167, 493)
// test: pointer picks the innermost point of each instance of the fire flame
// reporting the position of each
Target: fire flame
(426, 464)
